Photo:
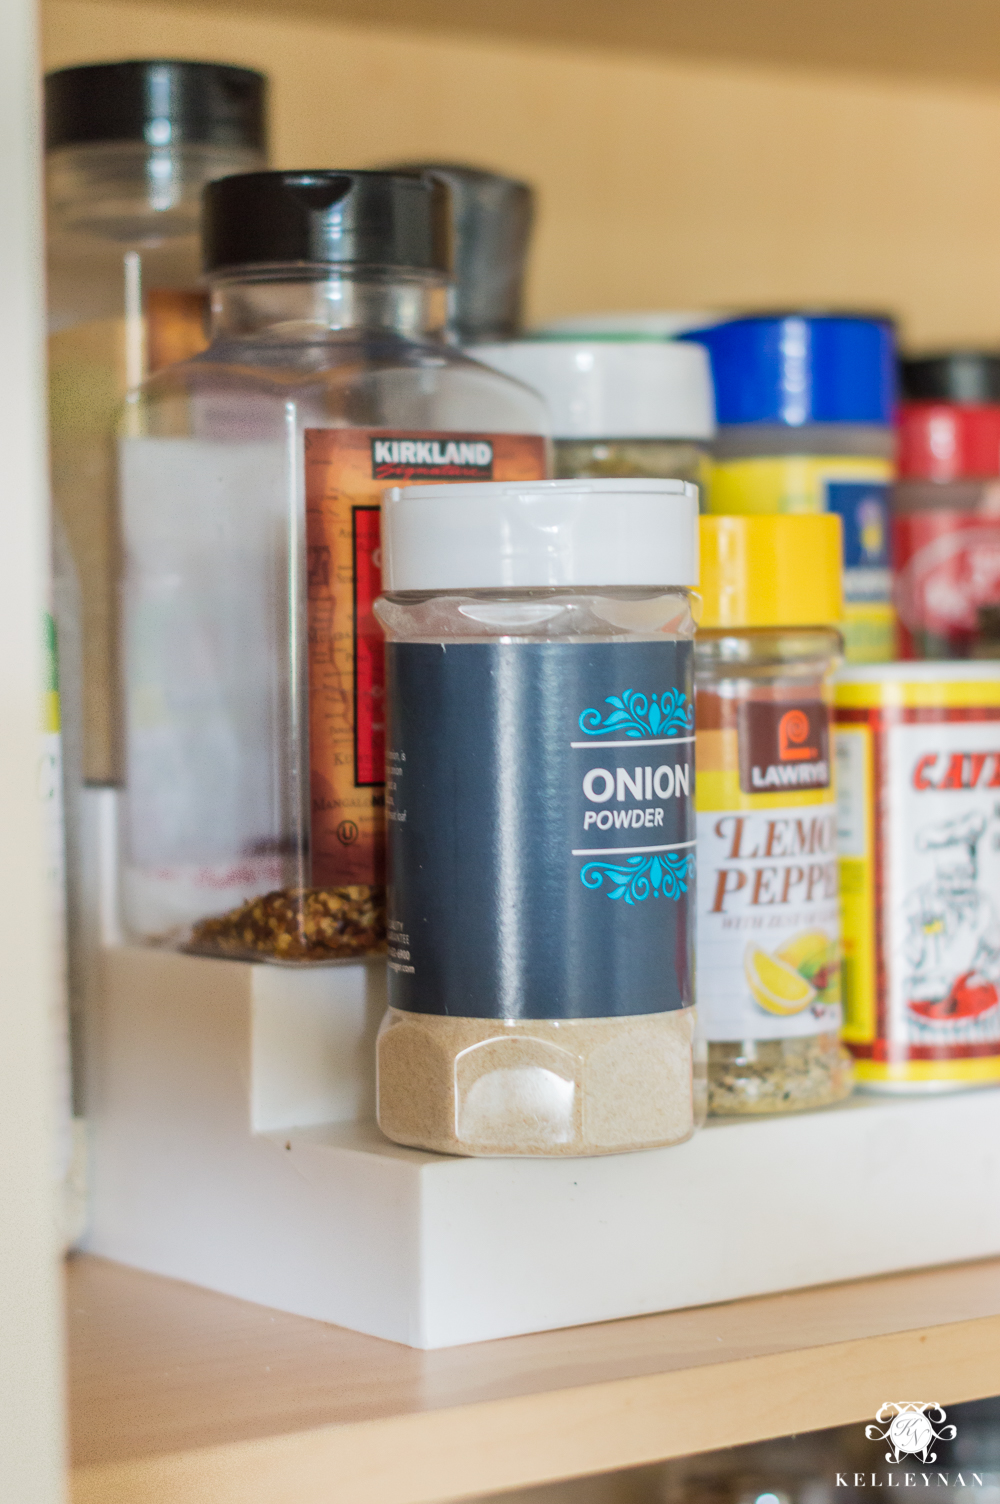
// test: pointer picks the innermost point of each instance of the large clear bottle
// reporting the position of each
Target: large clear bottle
(251, 481)
(129, 147)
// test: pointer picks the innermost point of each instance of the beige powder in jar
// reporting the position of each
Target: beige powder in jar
(482, 1086)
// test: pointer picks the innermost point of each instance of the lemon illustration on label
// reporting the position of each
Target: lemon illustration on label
(816, 957)
(776, 986)
(802, 948)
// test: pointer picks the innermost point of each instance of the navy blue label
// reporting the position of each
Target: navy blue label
(541, 828)
(863, 508)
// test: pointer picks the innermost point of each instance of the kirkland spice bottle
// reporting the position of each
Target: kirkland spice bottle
(805, 411)
(541, 829)
(946, 506)
(251, 479)
(768, 906)
(619, 407)
(129, 147)
(918, 788)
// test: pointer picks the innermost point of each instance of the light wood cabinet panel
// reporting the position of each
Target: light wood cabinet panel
(181, 1396)
(664, 182)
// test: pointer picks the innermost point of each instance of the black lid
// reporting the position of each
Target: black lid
(361, 218)
(952, 376)
(157, 101)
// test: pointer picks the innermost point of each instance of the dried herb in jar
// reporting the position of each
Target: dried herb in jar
(298, 924)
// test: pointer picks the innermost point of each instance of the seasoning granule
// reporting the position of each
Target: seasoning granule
(776, 1075)
(298, 924)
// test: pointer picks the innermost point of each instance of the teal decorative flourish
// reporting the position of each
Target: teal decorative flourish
(666, 873)
(636, 715)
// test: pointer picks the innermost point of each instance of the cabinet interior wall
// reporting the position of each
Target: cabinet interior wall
(663, 182)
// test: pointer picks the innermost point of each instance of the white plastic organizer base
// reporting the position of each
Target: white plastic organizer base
(233, 1146)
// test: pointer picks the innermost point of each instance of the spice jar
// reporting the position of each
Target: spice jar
(966, 377)
(768, 907)
(251, 480)
(541, 829)
(129, 147)
(491, 220)
(805, 411)
(946, 506)
(619, 407)
(918, 769)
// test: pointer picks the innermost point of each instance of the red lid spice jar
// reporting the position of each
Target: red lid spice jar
(946, 505)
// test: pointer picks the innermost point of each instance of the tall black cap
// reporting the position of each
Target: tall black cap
(491, 219)
(971, 376)
(158, 101)
(361, 218)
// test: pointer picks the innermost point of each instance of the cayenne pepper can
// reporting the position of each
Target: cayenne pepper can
(918, 784)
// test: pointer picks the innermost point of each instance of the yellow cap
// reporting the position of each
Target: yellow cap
(782, 570)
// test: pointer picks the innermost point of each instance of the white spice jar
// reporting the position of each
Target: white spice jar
(539, 800)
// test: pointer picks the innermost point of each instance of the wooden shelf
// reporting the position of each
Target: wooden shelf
(905, 38)
(180, 1396)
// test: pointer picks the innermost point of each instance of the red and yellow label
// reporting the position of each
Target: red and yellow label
(346, 471)
(918, 776)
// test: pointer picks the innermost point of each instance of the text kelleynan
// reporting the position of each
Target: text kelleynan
(909, 1480)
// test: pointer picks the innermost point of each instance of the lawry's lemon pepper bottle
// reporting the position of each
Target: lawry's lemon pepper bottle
(768, 925)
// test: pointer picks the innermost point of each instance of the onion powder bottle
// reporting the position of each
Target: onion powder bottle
(539, 799)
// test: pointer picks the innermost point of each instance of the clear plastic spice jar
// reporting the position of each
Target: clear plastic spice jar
(251, 480)
(768, 896)
(129, 147)
(540, 813)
